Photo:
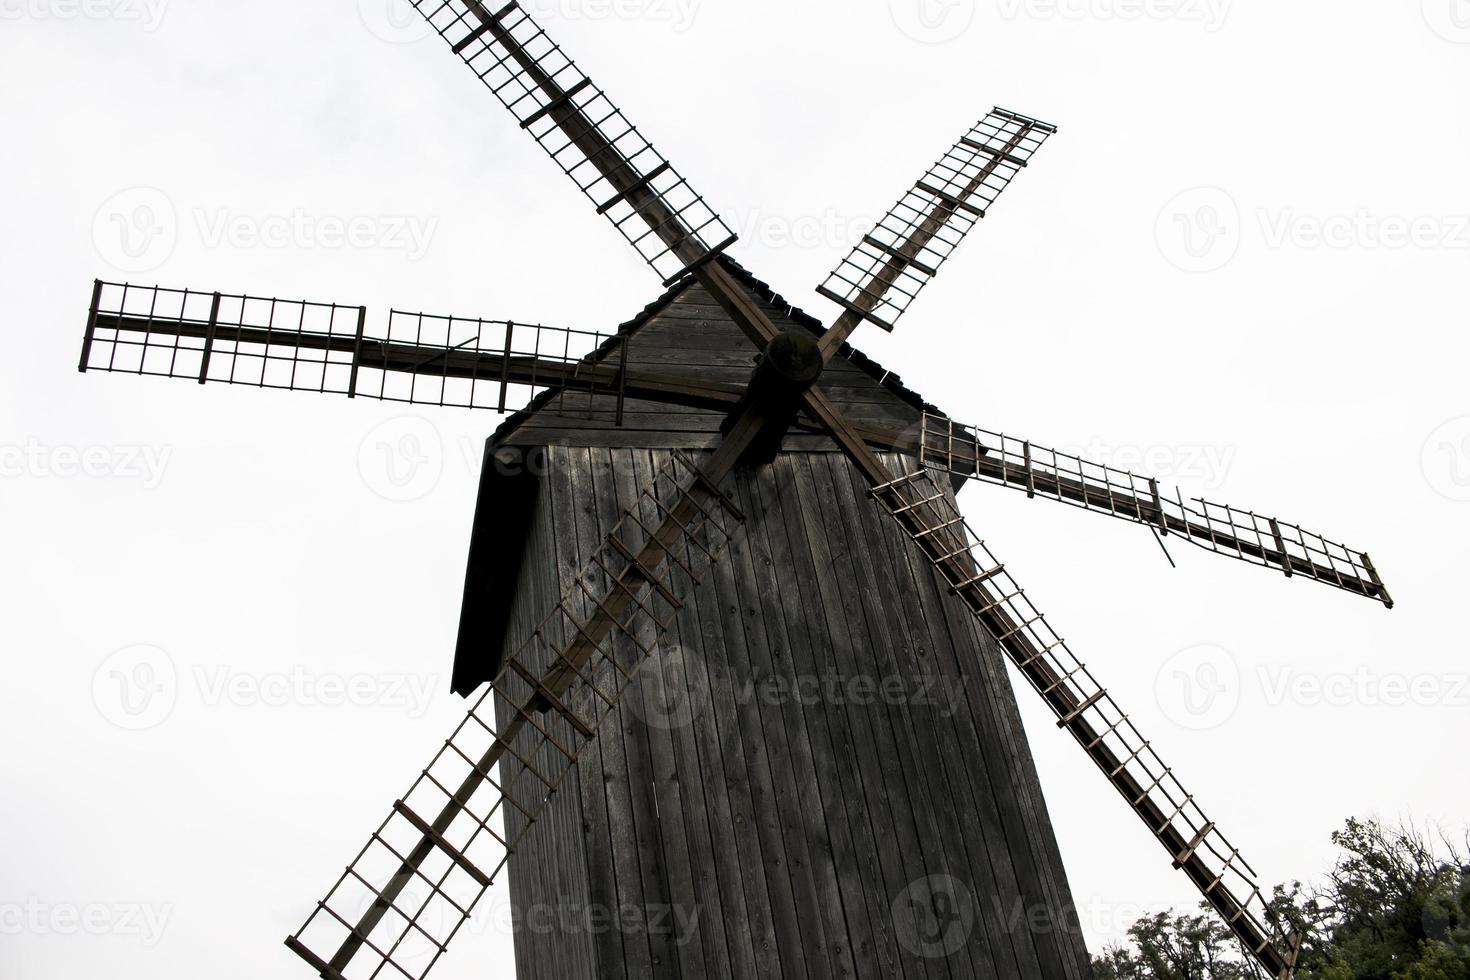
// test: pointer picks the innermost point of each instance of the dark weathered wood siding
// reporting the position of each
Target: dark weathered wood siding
(797, 828)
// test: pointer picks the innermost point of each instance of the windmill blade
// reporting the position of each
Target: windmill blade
(408, 892)
(1083, 707)
(588, 137)
(421, 359)
(887, 269)
(993, 457)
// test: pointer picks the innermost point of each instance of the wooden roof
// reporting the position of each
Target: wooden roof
(687, 336)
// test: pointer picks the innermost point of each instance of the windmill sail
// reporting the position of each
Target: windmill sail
(1085, 709)
(408, 892)
(887, 269)
(612, 163)
(993, 457)
(300, 345)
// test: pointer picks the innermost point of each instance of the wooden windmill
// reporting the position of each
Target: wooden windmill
(615, 756)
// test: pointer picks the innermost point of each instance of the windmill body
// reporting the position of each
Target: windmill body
(824, 772)
(733, 654)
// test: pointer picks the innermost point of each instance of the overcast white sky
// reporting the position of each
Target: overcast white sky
(1244, 258)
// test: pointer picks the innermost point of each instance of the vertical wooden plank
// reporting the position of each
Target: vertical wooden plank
(723, 917)
(1003, 740)
(744, 628)
(614, 490)
(937, 835)
(629, 951)
(91, 331)
(889, 780)
(981, 775)
(811, 762)
(209, 337)
(677, 801)
(582, 818)
(726, 756)
(809, 570)
(528, 878)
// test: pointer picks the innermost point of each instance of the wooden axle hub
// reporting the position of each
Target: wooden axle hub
(788, 367)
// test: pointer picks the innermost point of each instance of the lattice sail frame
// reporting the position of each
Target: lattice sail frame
(394, 911)
(611, 162)
(888, 269)
(301, 345)
(994, 457)
(1083, 707)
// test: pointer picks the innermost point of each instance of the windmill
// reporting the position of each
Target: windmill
(817, 495)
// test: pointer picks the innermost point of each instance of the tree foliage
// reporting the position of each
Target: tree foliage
(1396, 906)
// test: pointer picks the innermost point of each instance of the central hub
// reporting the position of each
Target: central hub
(790, 364)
